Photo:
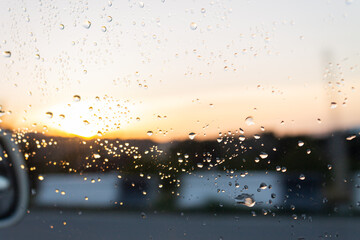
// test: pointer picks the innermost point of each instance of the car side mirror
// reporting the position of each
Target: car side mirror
(14, 182)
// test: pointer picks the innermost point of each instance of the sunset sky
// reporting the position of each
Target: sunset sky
(180, 66)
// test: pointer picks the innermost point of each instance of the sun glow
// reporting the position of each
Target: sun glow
(89, 118)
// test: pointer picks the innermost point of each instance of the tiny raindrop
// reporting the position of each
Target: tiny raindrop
(49, 114)
(249, 121)
(192, 135)
(7, 54)
(245, 199)
(87, 24)
(349, 138)
(76, 98)
(263, 155)
(302, 177)
(193, 26)
(263, 186)
(333, 105)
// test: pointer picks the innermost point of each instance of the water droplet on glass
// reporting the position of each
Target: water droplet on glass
(141, 4)
(76, 98)
(142, 215)
(61, 26)
(7, 54)
(349, 138)
(109, 18)
(40, 177)
(86, 122)
(192, 135)
(263, 155)
(333, 105)
(49, 114)
(62, 116)
(103, 28)
(245, 199)
(249, 121)
(263, 186)
(200, 165)
(149, 133)
(302, 177)
(87, 24)
(203, 10)
(300, 143)
(193, 26)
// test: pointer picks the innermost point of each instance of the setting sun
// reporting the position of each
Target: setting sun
(89, 118)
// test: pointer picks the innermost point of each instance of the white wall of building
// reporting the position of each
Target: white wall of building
(200, 188)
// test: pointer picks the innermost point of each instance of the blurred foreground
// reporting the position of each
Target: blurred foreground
(89, 225)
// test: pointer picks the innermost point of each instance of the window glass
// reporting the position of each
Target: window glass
(188, 119)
